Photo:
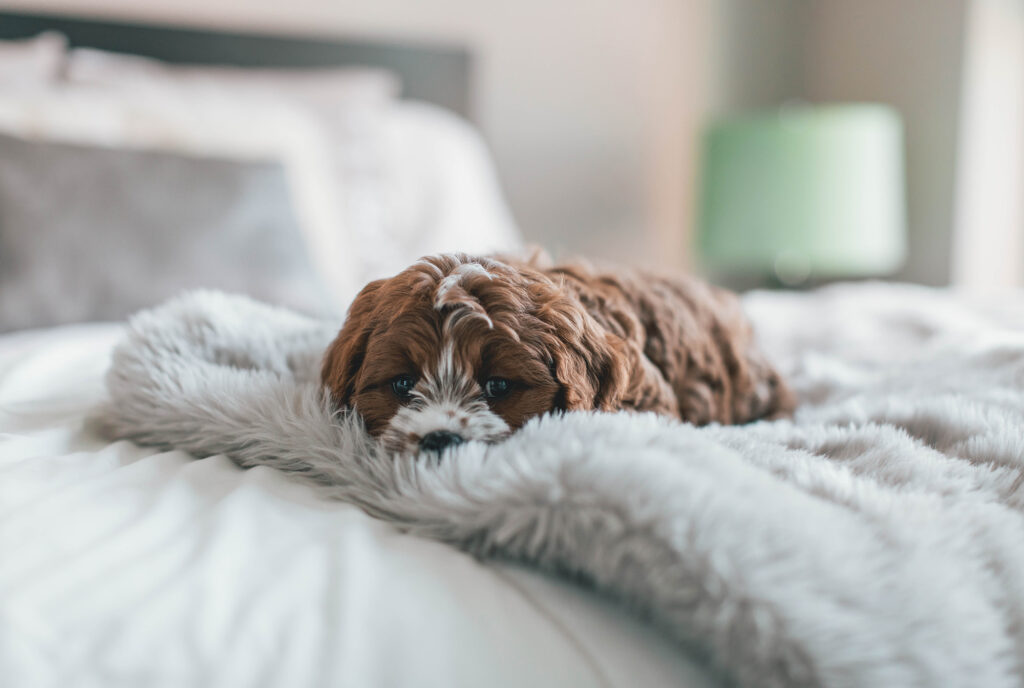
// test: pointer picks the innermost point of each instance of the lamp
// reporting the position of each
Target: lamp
(804, 193)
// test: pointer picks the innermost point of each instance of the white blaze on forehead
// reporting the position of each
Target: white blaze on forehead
(446, 366)
(451, 294)
(458, 275)
(446, 383)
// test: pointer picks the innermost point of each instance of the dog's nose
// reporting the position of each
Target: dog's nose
(439, 440)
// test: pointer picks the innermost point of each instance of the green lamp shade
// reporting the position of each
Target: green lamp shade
(804, 191)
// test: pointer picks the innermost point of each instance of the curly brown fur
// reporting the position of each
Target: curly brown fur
(566, 337)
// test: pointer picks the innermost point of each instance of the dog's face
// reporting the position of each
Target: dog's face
(457, 348)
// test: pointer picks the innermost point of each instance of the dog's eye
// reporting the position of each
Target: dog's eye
(402, 386)
(496, 387)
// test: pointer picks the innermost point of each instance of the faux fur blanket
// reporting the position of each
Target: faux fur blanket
(875, 540)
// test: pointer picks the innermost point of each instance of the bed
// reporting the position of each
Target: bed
(875, 540)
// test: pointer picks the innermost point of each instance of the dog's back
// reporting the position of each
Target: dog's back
(693, 336)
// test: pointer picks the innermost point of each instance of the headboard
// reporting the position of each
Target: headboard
(434, 73)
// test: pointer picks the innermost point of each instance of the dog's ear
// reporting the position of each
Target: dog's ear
(345, 355)
(590, 364)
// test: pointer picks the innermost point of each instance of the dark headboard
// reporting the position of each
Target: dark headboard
(437, 74)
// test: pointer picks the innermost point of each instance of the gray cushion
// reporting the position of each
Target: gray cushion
(89, 233)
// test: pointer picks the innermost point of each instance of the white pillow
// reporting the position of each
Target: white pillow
(32, 61)
(320, 88)
(174, 122)
(406, 179)
(348, 106)
(443, 193)
(95, 233)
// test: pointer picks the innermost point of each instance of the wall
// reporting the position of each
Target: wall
(909, 54)
(988, 247)
(587, 104)
(756, 55)
(906, 53)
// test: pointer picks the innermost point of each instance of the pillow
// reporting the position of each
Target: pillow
(406, 179)
(220, 127)
(443, 193)
(91, 233)
(348, 107)
(324, 88)
(32, 61)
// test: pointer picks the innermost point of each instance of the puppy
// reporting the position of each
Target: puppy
(459, 348)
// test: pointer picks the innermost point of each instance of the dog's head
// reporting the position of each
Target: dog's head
(457, 348)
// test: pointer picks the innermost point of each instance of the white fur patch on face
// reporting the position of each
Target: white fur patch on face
(472, 422)
(445, 400)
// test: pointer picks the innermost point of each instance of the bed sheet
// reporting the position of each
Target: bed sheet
(122, 566)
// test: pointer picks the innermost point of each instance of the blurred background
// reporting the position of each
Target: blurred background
(650, 132)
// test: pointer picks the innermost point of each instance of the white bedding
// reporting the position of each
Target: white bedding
(121, 566)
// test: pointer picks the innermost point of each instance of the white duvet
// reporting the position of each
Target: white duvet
(121, 566)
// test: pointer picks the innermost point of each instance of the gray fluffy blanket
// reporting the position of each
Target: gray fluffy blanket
(875, 540)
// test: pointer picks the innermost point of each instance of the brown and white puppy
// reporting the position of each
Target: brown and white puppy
(459, 348)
